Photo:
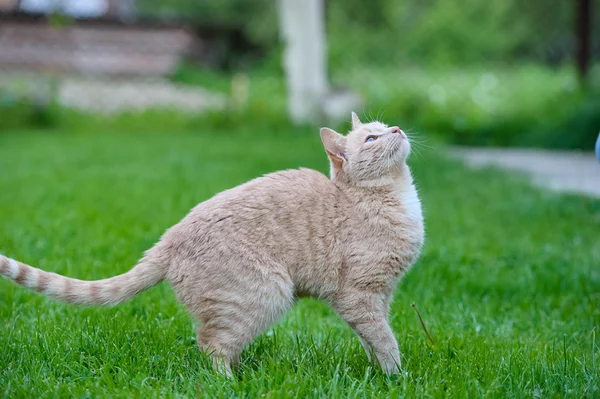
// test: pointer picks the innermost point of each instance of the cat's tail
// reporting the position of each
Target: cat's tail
(107, 292)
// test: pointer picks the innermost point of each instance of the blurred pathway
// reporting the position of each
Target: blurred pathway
(104, 95)
(110, 95)
(570, 171)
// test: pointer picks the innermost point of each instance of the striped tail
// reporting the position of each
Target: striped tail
(108, 292)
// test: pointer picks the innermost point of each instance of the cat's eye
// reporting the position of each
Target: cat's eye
(370, 138)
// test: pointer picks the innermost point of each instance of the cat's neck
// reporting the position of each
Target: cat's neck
(399, 180)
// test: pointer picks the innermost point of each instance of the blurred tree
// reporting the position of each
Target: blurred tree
(305, 62)
(584, 29)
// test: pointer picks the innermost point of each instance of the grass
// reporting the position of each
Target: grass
(508, 283)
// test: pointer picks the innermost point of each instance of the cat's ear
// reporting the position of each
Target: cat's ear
(355, 121)
(335, 145)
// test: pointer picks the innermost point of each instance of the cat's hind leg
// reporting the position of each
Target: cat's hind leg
(231, 317)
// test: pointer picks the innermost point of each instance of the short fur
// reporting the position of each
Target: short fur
(239, 260)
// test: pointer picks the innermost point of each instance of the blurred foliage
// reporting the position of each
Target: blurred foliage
(481, 73)
(527, 105)
(257, 17)
(473, 72)
(388, 32)
(449, 31)
(21, 111)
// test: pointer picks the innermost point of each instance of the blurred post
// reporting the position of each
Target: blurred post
(584, 31)
(302, 28)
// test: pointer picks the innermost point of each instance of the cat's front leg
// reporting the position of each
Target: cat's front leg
(367, 315)
(368, 348)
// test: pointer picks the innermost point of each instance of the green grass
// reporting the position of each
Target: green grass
(508, 283)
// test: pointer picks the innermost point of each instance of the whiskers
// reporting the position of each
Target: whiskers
(417, 144)
(415, 137)
(414, 148)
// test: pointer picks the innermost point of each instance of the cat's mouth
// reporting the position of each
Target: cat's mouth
(397, 130)
(402, 145)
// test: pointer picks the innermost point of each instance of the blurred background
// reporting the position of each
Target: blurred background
(118, 116)
(469, 72)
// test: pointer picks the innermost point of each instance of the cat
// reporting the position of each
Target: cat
(241, 259)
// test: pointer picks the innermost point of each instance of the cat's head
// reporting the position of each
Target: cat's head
(369, 153)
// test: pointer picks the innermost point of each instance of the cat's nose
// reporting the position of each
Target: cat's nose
(396, 129)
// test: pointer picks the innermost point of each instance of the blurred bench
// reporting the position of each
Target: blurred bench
(103, 46)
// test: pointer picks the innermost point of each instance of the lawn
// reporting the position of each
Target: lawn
(508, 283)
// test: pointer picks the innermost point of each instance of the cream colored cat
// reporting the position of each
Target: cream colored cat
(239, 260)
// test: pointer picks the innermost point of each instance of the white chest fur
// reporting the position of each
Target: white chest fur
(410, 201)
